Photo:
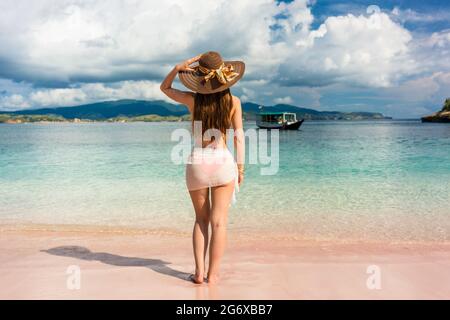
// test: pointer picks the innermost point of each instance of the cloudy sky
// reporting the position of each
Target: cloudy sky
(386, 56)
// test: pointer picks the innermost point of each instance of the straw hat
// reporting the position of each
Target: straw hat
(212, 74)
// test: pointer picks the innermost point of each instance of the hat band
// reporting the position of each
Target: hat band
(224, 73)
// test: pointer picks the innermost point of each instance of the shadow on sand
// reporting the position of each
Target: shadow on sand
(83, 253)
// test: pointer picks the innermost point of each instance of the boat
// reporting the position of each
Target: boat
(278, 120)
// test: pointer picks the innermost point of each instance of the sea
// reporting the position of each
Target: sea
(386, 180)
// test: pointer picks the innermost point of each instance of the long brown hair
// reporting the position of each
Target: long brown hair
(213, 110)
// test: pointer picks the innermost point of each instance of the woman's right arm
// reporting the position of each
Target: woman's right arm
(183, 97)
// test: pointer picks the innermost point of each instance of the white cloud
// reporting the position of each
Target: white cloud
(409, 15)
(421, 90)
(68, 52)
(248, 94)
(85, 93)
(433, 52)
(72, 40)
(439, 40)
(58, 97)
(284, 100)
(363, 50)
(13, 102)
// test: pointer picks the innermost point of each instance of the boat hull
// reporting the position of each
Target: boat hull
(293, 126)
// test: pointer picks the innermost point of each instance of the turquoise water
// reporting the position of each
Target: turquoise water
(336, 180)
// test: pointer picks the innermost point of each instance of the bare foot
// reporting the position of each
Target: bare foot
(213, 279)
(197, 279)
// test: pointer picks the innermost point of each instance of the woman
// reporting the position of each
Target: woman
(211, 173)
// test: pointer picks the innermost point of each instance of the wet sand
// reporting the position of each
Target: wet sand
(42, 263)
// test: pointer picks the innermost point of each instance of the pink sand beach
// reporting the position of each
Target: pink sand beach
(38, 262)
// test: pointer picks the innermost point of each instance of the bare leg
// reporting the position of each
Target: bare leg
(221, 198)
(200, 200)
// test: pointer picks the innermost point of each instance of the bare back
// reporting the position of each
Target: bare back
(236, 121)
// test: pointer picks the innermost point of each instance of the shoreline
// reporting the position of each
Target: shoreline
(184, 120)
(236, 234)
(127, 265)
(88, 122)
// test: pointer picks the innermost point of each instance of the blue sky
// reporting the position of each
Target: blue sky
(385, 56)
(435, 14)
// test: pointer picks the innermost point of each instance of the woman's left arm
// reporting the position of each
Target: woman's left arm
(239, 138)
(183, 97)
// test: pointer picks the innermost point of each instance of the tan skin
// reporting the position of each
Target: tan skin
(216, 212)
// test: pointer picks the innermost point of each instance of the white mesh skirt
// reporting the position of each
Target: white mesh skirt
(211, 167)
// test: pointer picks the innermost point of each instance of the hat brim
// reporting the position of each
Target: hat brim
(193, 80)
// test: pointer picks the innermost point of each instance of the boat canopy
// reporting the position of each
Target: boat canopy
(278, 120)
(277, 117)
(271, 113)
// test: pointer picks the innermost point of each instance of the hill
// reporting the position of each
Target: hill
(111, 109)
(440, 116)
(102, 111)
(250, 109)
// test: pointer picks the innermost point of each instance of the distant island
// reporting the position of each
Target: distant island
(440, 116)
(12, 118)
(251, 109)
(155, 111)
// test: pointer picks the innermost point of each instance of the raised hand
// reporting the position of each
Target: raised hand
(185, 65)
